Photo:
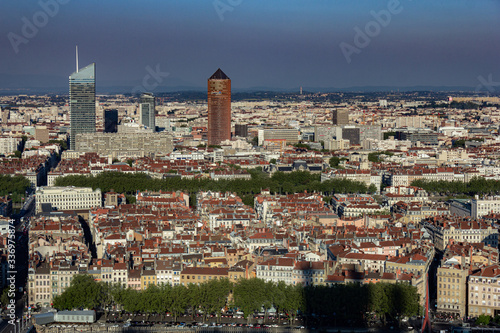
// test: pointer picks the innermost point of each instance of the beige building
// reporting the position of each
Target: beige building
(61, 277)
(485, 206)
(484, 292)
(337, 144)
(452, 288)
(148, 277)
(199, 275)
(68, 198)
(340, 116)
(125, 144)
(463, 231)
(40, 286)
(42, 134)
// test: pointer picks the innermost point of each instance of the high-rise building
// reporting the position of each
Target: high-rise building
(241, 130)
(352, 134)
(126, 144)
(340, 117)
(82, 102)
(110, 121)
(219, 108)
(290, 135)
(42, 134)
(5, 116)
(147, 109)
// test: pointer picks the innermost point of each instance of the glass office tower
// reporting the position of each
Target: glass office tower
(82, 102)
(147, 110)
(111, 121)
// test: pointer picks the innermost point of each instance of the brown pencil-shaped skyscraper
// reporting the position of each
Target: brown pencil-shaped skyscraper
(219, 108)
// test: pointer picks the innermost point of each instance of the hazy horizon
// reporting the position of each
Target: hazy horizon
(279, 45)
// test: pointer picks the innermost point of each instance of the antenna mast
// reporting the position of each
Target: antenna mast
(77, 58)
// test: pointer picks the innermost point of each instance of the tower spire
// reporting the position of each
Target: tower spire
(77, 58)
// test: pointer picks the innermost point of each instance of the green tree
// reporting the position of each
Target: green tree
(193, 298)
(483, 320)
(179, 300)
(83, 292)
(213, 296)
(388, 134)
(405, 300)
(249, 296)
(62, 143)
(380, 300)
(334, 162)
(4, 299)
(278, 297)
(294, 300)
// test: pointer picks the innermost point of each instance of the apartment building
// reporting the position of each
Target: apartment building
(452, 288)
(125, 144)
(484, 206)
(199, 275)
(68, 198)
(484, 292)
(444, 229)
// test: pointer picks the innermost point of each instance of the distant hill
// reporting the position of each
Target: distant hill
(47, 84)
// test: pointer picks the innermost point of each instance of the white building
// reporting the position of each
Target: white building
(276, 270)
(67, 198)
(290, 135)
(9, 145)
(190, 156)
(485, 206)
(454, 131)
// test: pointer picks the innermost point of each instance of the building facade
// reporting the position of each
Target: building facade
(352, 134)
(125, 144)
(9, 145)
(484, 292)
(340, 117)
(452, 289)
(82, 102)
(111, 121)
(67, 198)
(219, 108)
(485, 206)
(241, 130)
(42, 134)
(290, 135)
(147, 109)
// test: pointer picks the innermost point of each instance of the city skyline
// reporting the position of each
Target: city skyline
(329, 46)
(356, 156)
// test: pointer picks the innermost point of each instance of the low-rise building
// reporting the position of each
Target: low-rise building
(68, 198)
(484, 292)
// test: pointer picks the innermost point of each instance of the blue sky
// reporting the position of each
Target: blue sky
(257, 43)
